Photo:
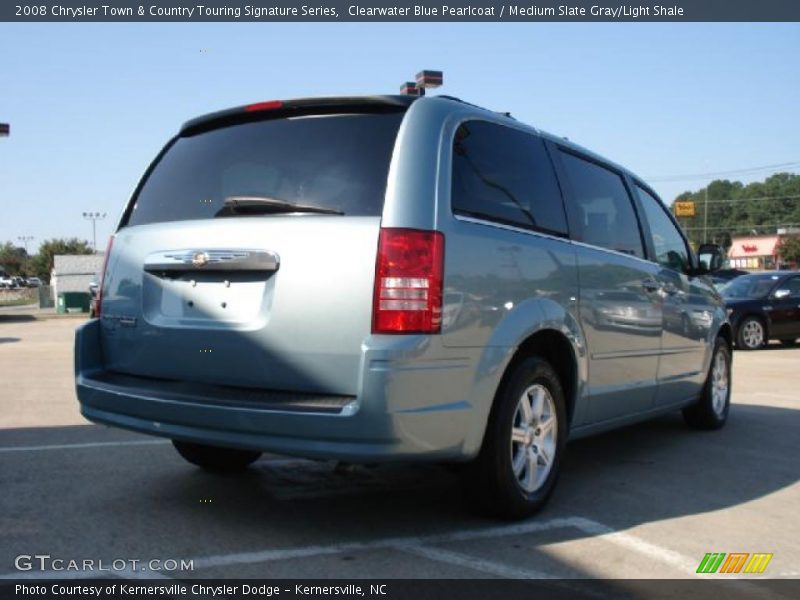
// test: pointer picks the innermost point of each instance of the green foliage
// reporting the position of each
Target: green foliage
(760, 206)
(789, 250)
(13, 259)
(42, 263)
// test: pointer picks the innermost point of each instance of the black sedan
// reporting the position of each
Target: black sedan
(764, 306)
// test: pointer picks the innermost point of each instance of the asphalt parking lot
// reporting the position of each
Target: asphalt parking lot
(648, 501)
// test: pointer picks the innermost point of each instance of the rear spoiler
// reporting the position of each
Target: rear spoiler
(279, 109)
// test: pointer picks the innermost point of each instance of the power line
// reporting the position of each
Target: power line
(687, 177)
(738, 227)
(730, 200)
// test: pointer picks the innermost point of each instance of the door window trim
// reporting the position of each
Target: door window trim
(490, 220)
(575, 224)
(651, 249)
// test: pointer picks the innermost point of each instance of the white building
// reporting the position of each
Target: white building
(74, 272)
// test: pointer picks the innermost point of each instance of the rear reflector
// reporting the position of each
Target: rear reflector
(98, 305)
(271, 105)
(408, 282)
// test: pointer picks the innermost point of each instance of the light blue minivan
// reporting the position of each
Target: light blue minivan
(398, 278)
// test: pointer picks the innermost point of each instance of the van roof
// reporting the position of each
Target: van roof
(297, 107)
(377, 103)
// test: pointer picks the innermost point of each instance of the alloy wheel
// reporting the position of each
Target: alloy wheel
(753, 334)
(534, 438)
(719, 383)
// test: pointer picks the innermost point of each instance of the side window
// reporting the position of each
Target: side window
(505, 175)
(793, 285)
(669, 244)
(603, 206)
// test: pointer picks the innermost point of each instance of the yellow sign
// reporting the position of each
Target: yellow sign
(684, 209)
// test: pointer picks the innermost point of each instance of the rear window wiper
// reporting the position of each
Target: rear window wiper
(237, 205)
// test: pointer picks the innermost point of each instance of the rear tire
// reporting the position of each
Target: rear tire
(751, 335)
(519, 462)
(216, 459)
(711, 410)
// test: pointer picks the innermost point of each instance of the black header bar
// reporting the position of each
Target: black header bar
(394, 589)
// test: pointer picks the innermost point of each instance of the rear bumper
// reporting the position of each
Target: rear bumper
(413, 404)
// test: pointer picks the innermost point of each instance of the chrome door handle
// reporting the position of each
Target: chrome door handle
(651, 285)
(671, 289)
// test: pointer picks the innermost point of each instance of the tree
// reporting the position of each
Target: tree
(736, 209)
(42, 263)
(14, 260)
(789, 250)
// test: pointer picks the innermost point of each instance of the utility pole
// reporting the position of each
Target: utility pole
(25, 239)
(94, 217)
(705, 218)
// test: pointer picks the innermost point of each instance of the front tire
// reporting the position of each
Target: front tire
(519, 462)
(214, 458)
(711, 410)
(752, 334)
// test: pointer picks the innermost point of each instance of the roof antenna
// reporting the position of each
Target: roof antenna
(425, 79)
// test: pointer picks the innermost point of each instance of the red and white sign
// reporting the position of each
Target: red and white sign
(753, 246)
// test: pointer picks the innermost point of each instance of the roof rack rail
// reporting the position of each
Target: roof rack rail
(498, 112)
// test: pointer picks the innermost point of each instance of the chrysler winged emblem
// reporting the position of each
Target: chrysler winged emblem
(200, 259)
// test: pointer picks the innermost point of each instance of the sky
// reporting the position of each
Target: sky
(90, 104)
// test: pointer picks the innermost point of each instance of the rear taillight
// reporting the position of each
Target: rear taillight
(98, 305)
(408, 282)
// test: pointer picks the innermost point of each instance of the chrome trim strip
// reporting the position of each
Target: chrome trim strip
(548, 236)
(535, 232)
(625, 354)
(212, 260)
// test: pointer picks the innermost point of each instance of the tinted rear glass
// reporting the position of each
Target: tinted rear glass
(505, 175)
(339, 162)
(603, 206)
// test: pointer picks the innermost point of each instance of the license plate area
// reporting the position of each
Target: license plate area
(209, 297)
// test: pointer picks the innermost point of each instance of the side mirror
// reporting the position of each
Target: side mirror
(781, 294)
(710, 257)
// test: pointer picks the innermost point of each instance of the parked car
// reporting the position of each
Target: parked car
(33, 282)
(6, 281)
(722, 277)
(277, 281)
(764, 306)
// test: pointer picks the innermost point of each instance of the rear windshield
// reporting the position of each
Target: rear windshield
(339, 162)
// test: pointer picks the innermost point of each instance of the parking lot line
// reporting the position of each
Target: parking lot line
(632, 542)
(472, 562)
(83, 445)
(421, 545)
